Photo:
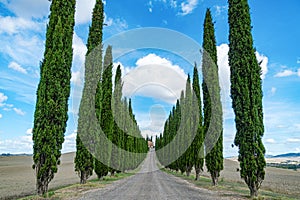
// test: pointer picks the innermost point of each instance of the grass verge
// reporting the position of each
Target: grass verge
(77, 190)
(231, 189)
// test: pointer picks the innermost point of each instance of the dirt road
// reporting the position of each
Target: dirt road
(151, 183)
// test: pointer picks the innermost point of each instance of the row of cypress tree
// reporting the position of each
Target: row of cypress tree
(246, 94)
(96, 106)
(98, 109)
(108, 138)
(196, 136)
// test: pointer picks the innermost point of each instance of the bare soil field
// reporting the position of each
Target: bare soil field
(17, 177)
(284, 181)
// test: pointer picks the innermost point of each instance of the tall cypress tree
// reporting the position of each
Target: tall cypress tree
(198, 143)
(188, 126)
(106, 114)
(246, 94)
(212, 102)
(117, 137)
(84, 161)
(51, 112)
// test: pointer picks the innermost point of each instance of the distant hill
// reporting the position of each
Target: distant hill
(287, 155)
(8, 154)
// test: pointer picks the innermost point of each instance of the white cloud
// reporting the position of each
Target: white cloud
(270, 141)
(84, 11)
(29, 131)
(22, 144)
(298, 61)
(173, 4)
(155, 77)
(293, 140)
(224, 68)
(1, 116)
(298, 72)
(11, 25)
(285, 73)
(69, 144)
(79, 52)
(273, 91)
(76, 78)
(15, 66)
(19, 111)
(3, 98)
(188, 6)
(114, 25)
(150, 6)
(29, 8)
(220, 9)
(264, 64)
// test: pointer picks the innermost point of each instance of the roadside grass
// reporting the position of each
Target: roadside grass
(228, 188)
(77, 190)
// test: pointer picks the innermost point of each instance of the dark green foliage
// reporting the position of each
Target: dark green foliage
(198, 143)
(213, 117)
(53, 91)
(84, 161)
(175, 148)
(246, 94)
(104, 113)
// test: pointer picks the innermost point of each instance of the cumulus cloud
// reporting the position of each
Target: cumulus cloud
(0, 116)
(224, 69)
(188, 6)
(220, 9)
(29, 131)
(69, 144)
(263, 60)
(285, 73)
(76, 78)
(3, 98)
(28, 9)
(18, 145)
(270, 141)
(84, 11)
(15, 66)
(19, 111)
(11, 25)
(155, 77)
(293, 140)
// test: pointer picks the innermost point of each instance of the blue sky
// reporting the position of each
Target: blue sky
(276, 38)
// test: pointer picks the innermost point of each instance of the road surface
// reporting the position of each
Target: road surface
(151, 183)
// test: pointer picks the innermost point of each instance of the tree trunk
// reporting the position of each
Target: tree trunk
(197, 173)
(188, 173)
(42, 187)
(112, 173)
(214, 177)
(83, 178)
(253, 192)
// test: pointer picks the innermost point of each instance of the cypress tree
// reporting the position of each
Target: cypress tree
(84, 161)
(246, 94)
(106, 114)
(51, 112)
(117, 138)
(198, 143)
(213, 117)
(188, 126)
